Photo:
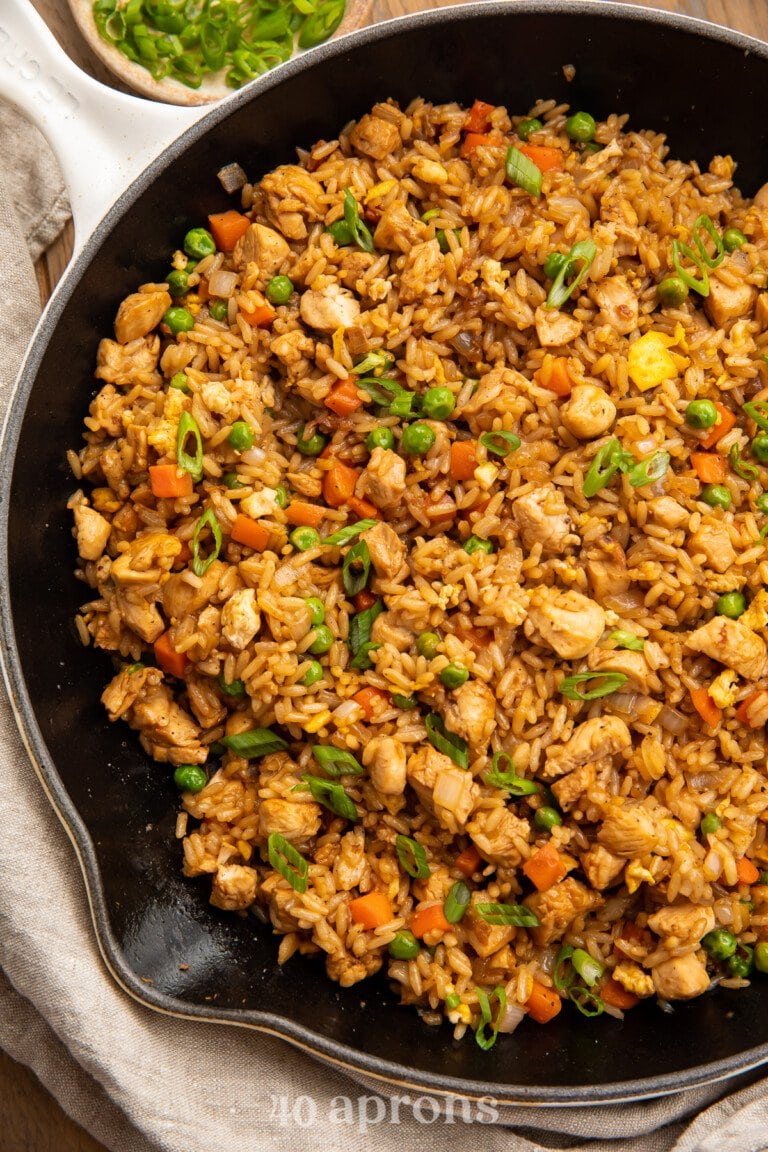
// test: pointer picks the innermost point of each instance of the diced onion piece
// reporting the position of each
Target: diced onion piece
(672, 721)
(511, 1017)
(253, 456)
(347, 713)
(449, 788)
(222, 283)
(232, 177)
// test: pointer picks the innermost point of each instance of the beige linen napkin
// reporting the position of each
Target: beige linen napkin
(142, 1082)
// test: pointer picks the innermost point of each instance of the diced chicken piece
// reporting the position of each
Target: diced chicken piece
(630, 829)
(501, 836)
(668, 512)
(618, 304)
(681, 978)
(633, 665)
(234, 887)
(347, 970)
(483, 937)
(182, 599)
(386, 549)
(293, 349)
(595, 739)
(471, 712)
(397, 231)
(554, 328)
(436, 886)
(601, 867)
(633, 978)
(297, 821)
(139, 314)
(127, 364)
(92, 530)
(354, 265)
(140, 615)
(383, 481)
(730, 643)
(123, 690)
(542, 516)
(589, 412)
(680, 924)
(146, 559)
(385, 757)
(714, 541)
(350, 865)
(760, 199)
(204, 700)
(420, 276)
(262, 246)
(499, 392)
(567, 622)
(442, 787)
(293, 198)
(374, 137)
(727, 302)
(570, 788)
(166, 731)
(607, 569)
(240, 619)
(557, 907)
(387, 630)
(329, 308)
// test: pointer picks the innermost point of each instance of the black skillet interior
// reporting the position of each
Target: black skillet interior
(698, 85)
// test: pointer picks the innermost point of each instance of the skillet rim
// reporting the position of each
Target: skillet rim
(330, 1051)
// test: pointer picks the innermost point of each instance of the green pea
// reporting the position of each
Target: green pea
(672, 292)
(762, 502)
(426, 644)
(404, 945)
(759, 447)
(710, 823)
(731, 604)
(316, 610)
(477, 544)
(405, 703)
(198, 243)
(304, 538)
(733, 238)
(189, 778)
(179, 320)
(279, 290)
(546, 819)
(701, 414)
(241, 436)
(581, 127)
(527, 128)
(742, 962)
(553, 264)
(313, 674)
(417, 439)
(323, 640)
(232, 480)
(438, 403)
(179, 380)
(716, 495)
(178, 282)
(761, 956)
(313, 445)
(282, 496)
(219, 309)
(453, 676)
(380, 438)
(720, 943)
(341, 232)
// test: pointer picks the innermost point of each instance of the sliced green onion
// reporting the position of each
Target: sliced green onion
(649, 470)
(581, 256)
(701, 286)
(484, 1041)
(233, 688)
(517, 914)
(523, 172)
(412, 857)
(628, 640)
(741, 467)
(188, 427)
(405, 405)
(362, 659)
(588, 968)
(200, 563)
(254, 743)
(356, 568)
(336, 761)
(587, 1001)
(508, 780)
(446, 742)
(381, 389)
(757, 410)
(286, 860)
(376, 359)
(562, 974)
(360, 233)
(321, 23)
(607, 682)
(705, 224)
(344, 535)
(360, 628)
(500, 443)
(331, 796)
(456, 902)
(609, 459)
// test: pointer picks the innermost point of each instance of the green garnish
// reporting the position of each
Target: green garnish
(358, 230)
(188, 428)
(705, 224)
(201, 563)
(578, 260)
(609, 459)
(286, 860)
(359, 636)
(344, 535)
(746, 471)
(331, 796)
(378, 358)
(254, 743)
(446, 742)
(336, 761)
(757, 410)
(456, 902)
(500, 443)
(623, 639)
(412, 857)
(508, 780)
(486, 1042)
(701, 286)
(356, 568)
(516, 914)
(523, 172)
(607, 682)
(649, 470)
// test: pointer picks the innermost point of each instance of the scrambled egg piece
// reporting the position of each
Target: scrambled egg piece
(724, 688)
(636, 874)
(651, 363)
(632, 977)
(756, 615)
(379, 190)
(338, 343)
(163, 431)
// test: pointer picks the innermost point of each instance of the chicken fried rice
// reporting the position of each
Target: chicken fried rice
(423, 508)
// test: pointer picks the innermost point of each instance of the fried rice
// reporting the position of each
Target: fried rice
(423, 516)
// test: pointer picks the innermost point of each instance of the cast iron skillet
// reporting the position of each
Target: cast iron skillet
(118, 807)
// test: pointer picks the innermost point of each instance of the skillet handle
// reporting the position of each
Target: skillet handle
(103, 139)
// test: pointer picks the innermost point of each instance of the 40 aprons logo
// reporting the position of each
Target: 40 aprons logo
(364, 1112)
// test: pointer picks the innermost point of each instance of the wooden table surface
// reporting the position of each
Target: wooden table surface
(30, 1119)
